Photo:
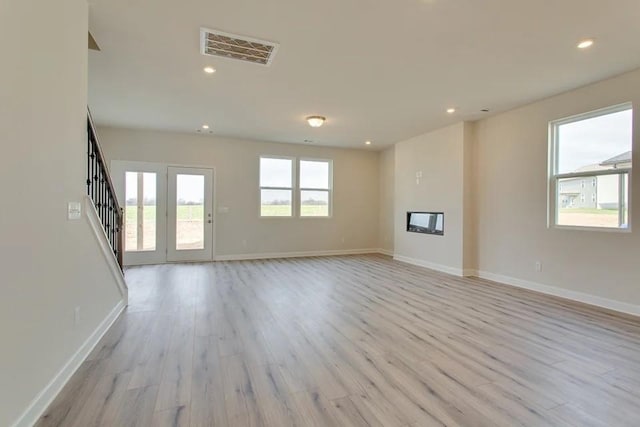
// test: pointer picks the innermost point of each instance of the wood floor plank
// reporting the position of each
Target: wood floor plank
(207, 398)
(350, 341)
(175, 383)
(137, 408)
(172, 417)
(103, 403)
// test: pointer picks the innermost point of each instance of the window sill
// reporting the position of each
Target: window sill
(598, 229)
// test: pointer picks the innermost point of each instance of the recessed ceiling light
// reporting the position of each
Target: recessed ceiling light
(585, 44)
(367, 142)
(316, 121)
(205, 126)
(451, 110)
(209, 70)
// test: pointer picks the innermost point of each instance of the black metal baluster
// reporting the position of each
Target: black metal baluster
(101, 188)
(88, 158)
(101, 181)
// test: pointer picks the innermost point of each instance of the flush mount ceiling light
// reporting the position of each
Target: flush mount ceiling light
(585, 44)
(451, 110)
(367, 142)
(316, 121)
(209, 70)
(205, 126)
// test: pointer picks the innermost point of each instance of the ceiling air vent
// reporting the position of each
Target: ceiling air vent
(218, 43)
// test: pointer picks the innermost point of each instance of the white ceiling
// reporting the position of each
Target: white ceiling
(383, 70)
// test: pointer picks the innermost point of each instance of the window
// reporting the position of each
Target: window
(276, 186)
(594, 146)
(315, 188)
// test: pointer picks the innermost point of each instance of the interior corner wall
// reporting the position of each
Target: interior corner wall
(511, 174)
(49, 265)
(241, 232)
(386, 189)
(429, 176)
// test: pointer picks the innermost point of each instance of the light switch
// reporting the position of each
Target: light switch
(75, 210)
(223, 209)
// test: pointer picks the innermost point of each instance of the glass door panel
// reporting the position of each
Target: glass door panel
(140, 212)
(142, 192)
(190, 214)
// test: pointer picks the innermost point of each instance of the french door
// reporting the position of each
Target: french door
(168, 212)
(190, 214)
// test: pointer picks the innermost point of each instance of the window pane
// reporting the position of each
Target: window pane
(189, 212)
(275, 203)
(131, 212)
(314, 174)
(314, 203)
(149, 212)
(275, 172)
(587, 205)
(597, 143)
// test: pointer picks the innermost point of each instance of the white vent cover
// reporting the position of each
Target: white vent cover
(218, 43)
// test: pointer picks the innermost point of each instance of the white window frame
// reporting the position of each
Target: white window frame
(329, 190)
(624, 189)
(292, 188)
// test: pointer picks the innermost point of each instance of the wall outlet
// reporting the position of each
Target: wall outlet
(343, 240)
(244, 243)
(76, 316)
(538, 266)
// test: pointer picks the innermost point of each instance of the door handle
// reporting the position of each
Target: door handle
(209, 221)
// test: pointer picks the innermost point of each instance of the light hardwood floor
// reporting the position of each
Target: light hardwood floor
(351, 341)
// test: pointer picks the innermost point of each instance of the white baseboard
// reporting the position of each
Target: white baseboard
(430, 265)
(103, 242)
(42, 401)
(385, 252)
(582, 297)
(270, 255)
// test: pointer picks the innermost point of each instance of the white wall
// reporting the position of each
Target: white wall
(236, 164)
(440, 157)
(386, 180)
(511, 187)
(49, 265)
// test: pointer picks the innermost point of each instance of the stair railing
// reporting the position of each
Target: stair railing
(101, 191)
